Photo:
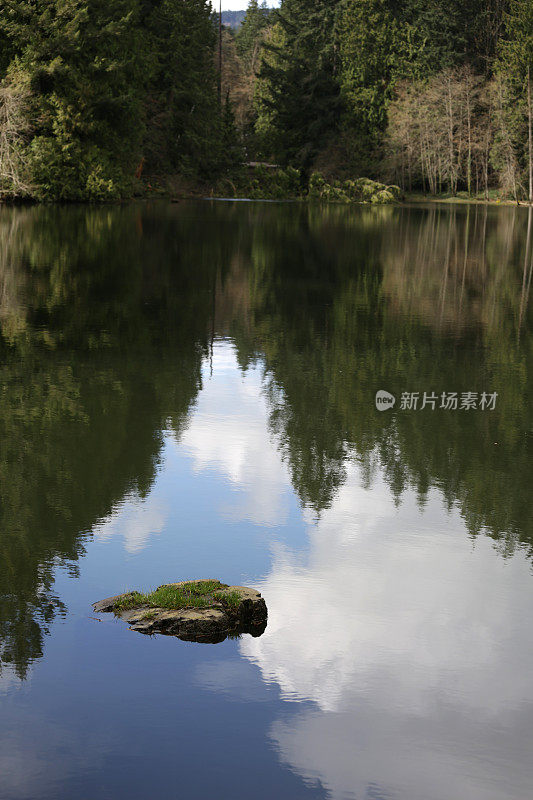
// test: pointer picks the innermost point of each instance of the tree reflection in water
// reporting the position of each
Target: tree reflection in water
(106, 315)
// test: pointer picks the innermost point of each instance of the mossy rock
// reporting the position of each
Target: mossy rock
(353, 190)
(320, 189)
(368, 191)
(362, 190)
(335, 194)
(382, 197)
(396, 192)
(203, 610)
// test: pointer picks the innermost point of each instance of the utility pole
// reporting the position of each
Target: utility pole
(530, 134)
(220, 55)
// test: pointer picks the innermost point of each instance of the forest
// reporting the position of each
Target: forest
(108, 100)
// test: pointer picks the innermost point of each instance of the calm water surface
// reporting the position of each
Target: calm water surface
(188, 391)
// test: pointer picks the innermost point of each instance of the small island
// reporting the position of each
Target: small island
(203, 610)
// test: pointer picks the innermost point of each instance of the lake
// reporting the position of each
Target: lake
(189, 390)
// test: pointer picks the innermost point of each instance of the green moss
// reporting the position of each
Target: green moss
(396, 192)
(382, 197)
(194, 594)
(229, 599)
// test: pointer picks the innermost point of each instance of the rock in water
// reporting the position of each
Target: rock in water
(196, 611)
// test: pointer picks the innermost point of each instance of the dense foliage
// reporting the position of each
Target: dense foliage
(303, 98)
(249, 35)
(106, 90)
(431, 95)
(97, 97)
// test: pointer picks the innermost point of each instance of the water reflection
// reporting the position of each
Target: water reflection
(409, 638)
(238, 445)
(452, 270)
(135, 520)
(247, 343)
(90, 374)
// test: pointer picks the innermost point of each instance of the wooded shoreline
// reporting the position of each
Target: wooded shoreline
(415, 199)
(100, 101)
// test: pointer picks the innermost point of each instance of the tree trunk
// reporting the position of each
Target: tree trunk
(469, 129)
(523, 296)
(450, 138)
(530, 135)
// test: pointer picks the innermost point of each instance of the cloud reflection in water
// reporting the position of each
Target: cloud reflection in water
(406, 644)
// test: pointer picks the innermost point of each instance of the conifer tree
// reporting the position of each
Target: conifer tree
(516, 69)
(373, 46)
(110, 85)
(85, 87)
(183, 119)
(303, 88)
(249, 35)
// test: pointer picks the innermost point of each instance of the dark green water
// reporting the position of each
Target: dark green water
(189, 391)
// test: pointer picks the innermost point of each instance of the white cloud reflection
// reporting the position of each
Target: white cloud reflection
(405, 646)
(10, 681)
(135, 520)
(228, 434)
(414, 644)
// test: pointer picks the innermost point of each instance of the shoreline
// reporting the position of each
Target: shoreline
(408, 199)
(421, 198)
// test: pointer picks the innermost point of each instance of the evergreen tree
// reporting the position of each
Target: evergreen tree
(515, 68)
(108, 85)
(249, 35)
(76, 59)
(183, 120)
(374, 50)
(95, 92)
(263, 97)
(447, 29)
(303, 89)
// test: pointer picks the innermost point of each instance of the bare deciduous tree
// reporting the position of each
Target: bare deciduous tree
(456, 130)
(14, 128)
